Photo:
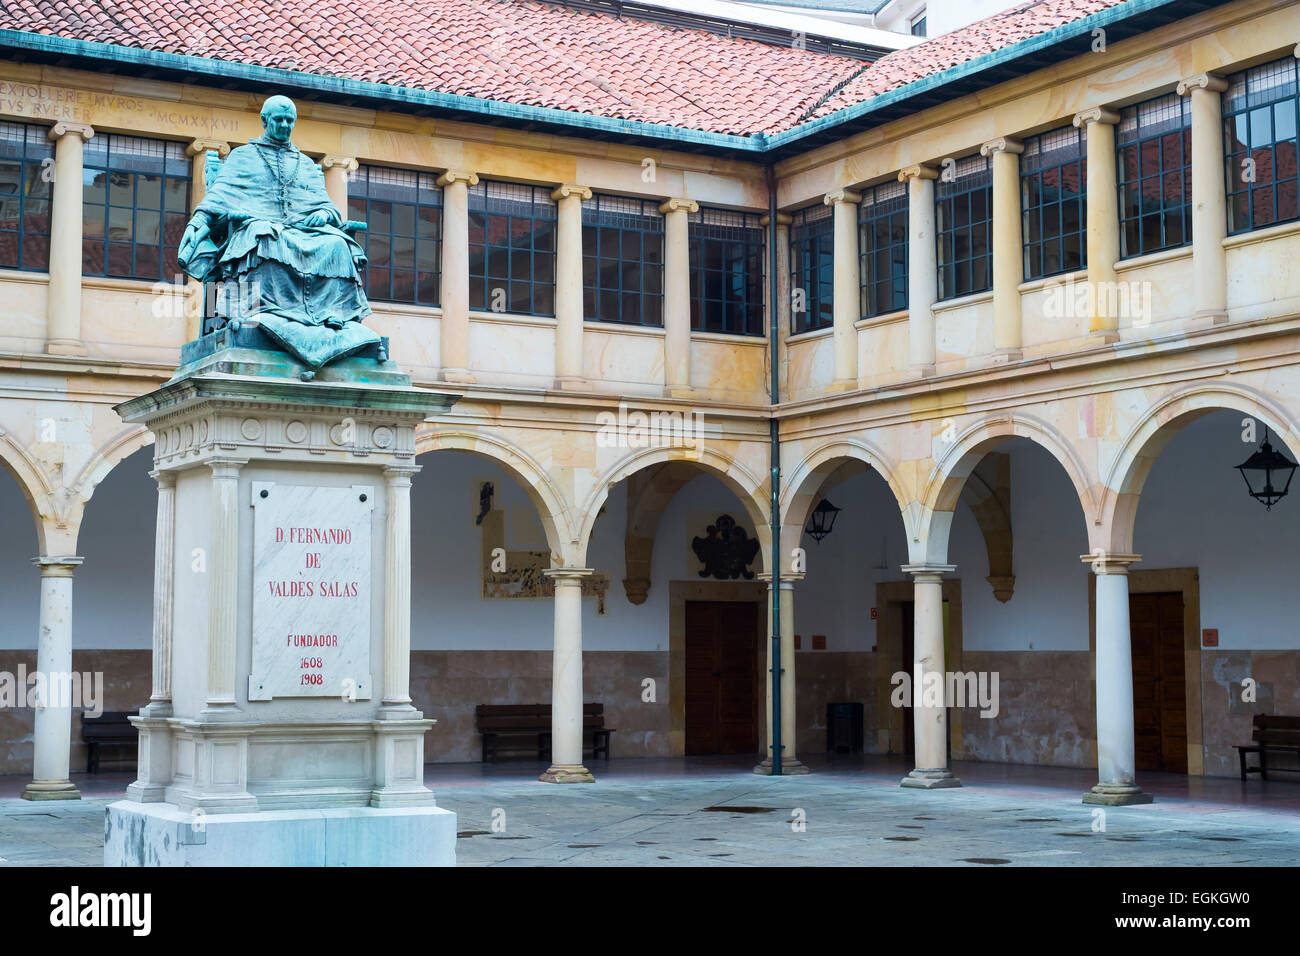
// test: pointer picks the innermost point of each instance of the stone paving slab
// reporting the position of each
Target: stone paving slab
(663, 820)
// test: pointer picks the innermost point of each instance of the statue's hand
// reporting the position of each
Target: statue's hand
(321, 217)
(198, 229)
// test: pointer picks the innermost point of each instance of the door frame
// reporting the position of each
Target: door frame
(1188, 582)
(679, 592)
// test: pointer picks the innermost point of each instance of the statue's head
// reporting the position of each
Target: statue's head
(278, 116)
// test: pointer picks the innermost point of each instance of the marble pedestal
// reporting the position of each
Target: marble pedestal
(280, 721)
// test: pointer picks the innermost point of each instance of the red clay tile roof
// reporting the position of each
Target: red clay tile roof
(960, 46)
(531, 53)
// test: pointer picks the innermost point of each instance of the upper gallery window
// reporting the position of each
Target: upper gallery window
(135, 206)
(1053, 197)
(726, 272)
(1259, 132)
(812, 269)
(964, 227)
(26, 179)
(512, 248)
(1155, 175)
(882, 246)
(402, 210)
(622, 260)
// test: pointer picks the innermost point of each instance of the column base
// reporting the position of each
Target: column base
(1209, 319)
(571, 383)
(790, 767)
(1006, 356)
(923, 371)
(458, 376)
(843, 385)
(568, 773)
(681, 391)
(64, 347)
(51, 790)
(1117, 795)
(929, 780)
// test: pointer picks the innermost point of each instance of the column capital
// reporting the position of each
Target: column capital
(57, 566)
(567, 576)
(1103, 562)
(917, 171)
(63, 128)
(678, 205)
(226, 467)
(165, 479)
(921, 572)
(788, 578)
(837, 196)
(567, 190)
(198, 146)
(1003, 144)
(348, 163)
(1098, 114)
(782, 219)
(395, 472)
(1202, 81)
(453, 176)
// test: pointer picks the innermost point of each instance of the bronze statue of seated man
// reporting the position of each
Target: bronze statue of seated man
(268, 229)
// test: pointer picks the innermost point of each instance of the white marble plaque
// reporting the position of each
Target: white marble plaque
(311, 591)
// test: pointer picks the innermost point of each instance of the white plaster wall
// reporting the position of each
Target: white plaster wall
(448, 609)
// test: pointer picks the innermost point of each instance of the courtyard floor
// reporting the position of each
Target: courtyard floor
(712, 811)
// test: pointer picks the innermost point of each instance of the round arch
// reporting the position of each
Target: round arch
(1122, 488)
(943, 486)
(552, 510)
(31, 481)
(800, 492)
(742, 482)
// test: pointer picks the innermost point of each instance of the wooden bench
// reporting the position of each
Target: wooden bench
(1272, 734)
(112, 728)
(506, 727)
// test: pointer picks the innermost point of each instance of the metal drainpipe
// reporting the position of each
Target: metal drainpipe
(774, 432)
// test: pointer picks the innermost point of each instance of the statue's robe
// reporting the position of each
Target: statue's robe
(302, 284)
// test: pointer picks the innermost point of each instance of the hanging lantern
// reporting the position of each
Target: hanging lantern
(1267, 474)
(822, 520)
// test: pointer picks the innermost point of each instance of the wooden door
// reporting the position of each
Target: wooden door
(1159, 685)
(721, 670)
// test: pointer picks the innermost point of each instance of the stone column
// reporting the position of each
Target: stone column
(1209, 197)
(568, 287)
(922, 266)
(164, 569)
(397, 594)
(63, 317)
(223, 585)
(789, 725)
(929, 717)
(52, 734)
(455, 275)
(1008, 247)
(336, 170)
(198, 152)
(1103, 220)
(677, 296)
(847, 292)
(566, 679)
(1116, 761)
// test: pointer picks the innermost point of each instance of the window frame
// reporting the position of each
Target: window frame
(1242, 105)
(886, 202)
(605, 214)
(743, 242)
(1129, 136)
(1038, 161)
(482, 195)
(31, 173)
(175, 166)
(812, 237)
(947, 197)
(360, 208)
